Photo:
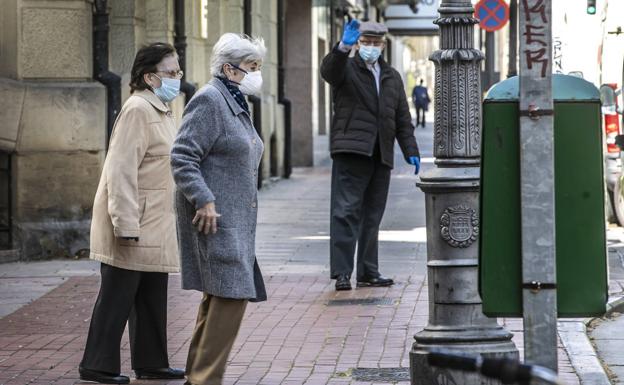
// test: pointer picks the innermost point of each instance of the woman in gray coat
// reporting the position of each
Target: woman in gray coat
(215, 159)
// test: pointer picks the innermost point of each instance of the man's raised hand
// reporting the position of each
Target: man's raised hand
(351, 33)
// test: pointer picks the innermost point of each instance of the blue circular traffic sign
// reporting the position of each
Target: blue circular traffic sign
(492, 14)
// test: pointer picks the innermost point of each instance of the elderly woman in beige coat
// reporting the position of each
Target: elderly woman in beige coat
(133, 231)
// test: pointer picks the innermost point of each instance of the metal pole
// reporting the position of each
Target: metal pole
(180, 46)
(256, 102)
(537, 177)
(101, 73)
(512, 68)
(490, 57)
(281, 87)
(451, 192)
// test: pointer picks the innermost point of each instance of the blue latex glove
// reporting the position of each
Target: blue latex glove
(415, 161)
(351, 32)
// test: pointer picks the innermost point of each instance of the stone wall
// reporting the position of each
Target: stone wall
(53, 123)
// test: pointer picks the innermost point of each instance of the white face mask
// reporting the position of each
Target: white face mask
(251, 83)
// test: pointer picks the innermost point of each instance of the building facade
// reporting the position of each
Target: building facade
(60, 65)
(53, 130)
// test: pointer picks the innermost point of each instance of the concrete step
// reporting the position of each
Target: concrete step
(11, 255)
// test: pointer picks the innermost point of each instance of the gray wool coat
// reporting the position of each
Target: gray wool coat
(215, 158)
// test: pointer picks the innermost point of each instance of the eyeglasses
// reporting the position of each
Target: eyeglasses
(173, 74)
(374, 43)
(238, 68)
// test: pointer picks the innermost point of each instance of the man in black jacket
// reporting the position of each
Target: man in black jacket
(370, 111)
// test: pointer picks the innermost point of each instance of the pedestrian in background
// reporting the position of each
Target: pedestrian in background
(133, 228)
(420, 98)
(215, 159)
(370, 111)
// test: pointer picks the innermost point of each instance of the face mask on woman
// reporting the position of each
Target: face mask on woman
(251, 83)
(168, 90)
(369, 53)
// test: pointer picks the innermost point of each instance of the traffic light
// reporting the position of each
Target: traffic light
(591, 7)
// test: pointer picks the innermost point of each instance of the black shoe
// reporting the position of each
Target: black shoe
(102, 377)
(343, 283)
(159, 374)
(375, 282)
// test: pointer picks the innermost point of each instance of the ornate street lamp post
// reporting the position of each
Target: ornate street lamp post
(452, 207)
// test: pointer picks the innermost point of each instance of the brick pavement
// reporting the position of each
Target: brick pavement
(294, 338)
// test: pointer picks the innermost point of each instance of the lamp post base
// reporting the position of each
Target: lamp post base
(456, 321)
(493, 342)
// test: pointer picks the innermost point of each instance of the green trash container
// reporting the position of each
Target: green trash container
(581, 250)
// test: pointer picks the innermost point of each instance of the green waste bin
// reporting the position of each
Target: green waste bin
(581, 250)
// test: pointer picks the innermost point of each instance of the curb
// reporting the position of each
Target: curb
(615, 305)
(581, 352)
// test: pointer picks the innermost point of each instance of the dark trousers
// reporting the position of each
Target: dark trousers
(420, 112)
(359, 192)
(136, 297)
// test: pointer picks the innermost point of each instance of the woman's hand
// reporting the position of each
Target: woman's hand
(206, 219)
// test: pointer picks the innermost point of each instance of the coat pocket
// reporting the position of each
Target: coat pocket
(142, 204)
(348, 122)
(224, 247)
(150, 220)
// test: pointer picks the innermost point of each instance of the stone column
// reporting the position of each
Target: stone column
(127, 35)
(298, 63)
(456, 320)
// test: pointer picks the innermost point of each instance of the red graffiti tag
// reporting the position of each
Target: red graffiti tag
(537, 56)
(538, 7)
(533, 34)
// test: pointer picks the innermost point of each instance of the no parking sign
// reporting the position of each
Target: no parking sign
(493, 14)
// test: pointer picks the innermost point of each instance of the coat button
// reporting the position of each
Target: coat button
(253, 141)
(254, 205)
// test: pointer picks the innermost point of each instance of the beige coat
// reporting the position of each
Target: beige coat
(135, 194)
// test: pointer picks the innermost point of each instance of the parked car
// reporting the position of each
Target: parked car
(614, 157)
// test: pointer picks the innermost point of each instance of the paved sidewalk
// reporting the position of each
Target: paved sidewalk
(304, 334)
(607, 333)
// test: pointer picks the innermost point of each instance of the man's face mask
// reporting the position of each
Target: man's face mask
(369, 53)
(370, 49)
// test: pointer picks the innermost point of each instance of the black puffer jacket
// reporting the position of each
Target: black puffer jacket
(360, 114)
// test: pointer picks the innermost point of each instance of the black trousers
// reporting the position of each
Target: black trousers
(136, 297)
(420, 112)
(359, 192)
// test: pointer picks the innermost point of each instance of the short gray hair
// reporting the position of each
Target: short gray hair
(236, 49)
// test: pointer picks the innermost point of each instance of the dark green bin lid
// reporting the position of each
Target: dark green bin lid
(565, 88)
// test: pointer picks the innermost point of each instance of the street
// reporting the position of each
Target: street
(306, 333)
(224, 96)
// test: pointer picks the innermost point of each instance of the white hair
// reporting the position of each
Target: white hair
(236, 49)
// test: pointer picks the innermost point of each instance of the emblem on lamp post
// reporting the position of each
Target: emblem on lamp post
(459, 226)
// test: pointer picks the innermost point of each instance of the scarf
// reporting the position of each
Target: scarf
(238, 96)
